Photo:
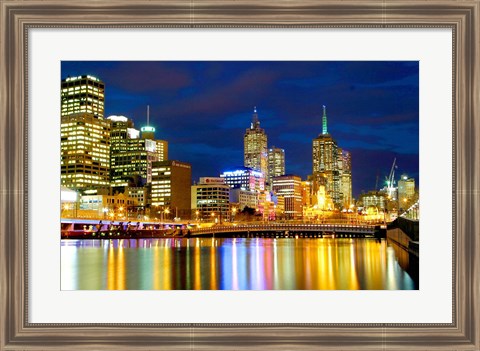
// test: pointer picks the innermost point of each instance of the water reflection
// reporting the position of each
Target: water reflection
(233, 264)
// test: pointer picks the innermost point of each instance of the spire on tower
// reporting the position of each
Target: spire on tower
(148, 115)
(324, 120)
(147, 131)
(255, 121)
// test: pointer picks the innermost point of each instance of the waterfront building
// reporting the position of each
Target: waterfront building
(375, 199)
(68, 202)
(276, 163)
(306, 193)
(244, 198)
(171, 188)
(290, 188)
(82, 94)
(406, 191)
(84, 151)
(255, 146)
(100, 203)
(211, 198)
(279, 206)
(140, 195)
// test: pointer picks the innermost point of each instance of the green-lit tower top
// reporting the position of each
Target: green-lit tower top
(148, 132)
(324, 120)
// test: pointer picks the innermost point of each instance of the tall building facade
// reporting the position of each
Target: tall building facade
(132, 154)
(85, 134)
(345, 170)
(331, 168)
(255, 147)
(82, 94)
(84, 151)
(325, 161)
(289, 187)
(171, 187)
(276, 163)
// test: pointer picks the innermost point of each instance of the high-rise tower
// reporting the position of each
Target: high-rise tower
(345, 170)
(276, 163)
(85, 134)
(325, 162)
(82, 94)
(255, 146)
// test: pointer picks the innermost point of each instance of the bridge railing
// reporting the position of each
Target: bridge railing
(285, 227)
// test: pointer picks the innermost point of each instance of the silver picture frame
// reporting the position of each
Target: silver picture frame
(18, 17)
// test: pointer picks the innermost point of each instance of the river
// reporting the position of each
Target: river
(234, 264)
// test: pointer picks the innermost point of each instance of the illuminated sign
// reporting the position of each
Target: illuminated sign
(212, 180)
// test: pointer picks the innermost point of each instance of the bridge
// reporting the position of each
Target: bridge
(289, 230)
(88, 229)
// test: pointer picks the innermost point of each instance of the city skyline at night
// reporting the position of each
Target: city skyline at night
(203, 108)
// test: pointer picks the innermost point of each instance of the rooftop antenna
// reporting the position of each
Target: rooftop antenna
(148, 115)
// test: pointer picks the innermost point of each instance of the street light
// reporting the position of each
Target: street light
(162, 214)
(234, 211)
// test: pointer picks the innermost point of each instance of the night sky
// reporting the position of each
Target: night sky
(203, 108)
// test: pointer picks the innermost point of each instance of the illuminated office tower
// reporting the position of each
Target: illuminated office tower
(255, 146)
(244, 178)
(82, 94)
(290, 188)
(276, 163)
(246, 186)
(345, 172)
(211, 199)
(130, 157)
(85, 151)
(325, 162)
(171, 187)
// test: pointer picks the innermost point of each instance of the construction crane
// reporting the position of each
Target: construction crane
(391, 179)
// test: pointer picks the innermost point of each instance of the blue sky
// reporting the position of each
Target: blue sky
(203, 108)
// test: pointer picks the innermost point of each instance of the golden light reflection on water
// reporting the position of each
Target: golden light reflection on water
(232, 264)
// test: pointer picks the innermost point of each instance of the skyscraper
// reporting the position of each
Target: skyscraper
(255, 146)
(345, 169)
(171, 187)
(276, 163)
(85, 134)
(130, 157)
(82, 94)
(85, 151)
(325, 161)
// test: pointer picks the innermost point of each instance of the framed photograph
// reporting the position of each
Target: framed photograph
(170, 222)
